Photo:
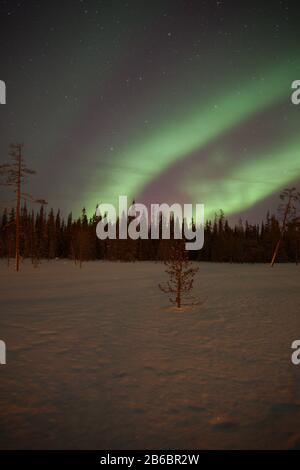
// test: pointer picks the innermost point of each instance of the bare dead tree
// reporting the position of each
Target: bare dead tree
(181, 274)
(15, 173)
(288, 212)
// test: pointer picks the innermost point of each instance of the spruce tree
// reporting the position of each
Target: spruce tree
(181, 274)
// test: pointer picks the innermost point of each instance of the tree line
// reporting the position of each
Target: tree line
(47, 235)
(37, 234)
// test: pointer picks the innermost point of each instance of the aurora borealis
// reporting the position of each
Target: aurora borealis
(169, 101)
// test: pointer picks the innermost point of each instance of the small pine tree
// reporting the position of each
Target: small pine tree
(181, 274)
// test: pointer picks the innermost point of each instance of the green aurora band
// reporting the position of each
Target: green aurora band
(251, 182)
(176, 139)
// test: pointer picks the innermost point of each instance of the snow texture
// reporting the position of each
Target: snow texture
(96, 359)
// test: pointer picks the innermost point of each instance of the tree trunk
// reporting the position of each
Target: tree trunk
(18, 213)
(178, 298)
(276, 252)
(286, 213)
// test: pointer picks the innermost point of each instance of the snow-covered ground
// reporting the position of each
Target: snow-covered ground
(95, 359)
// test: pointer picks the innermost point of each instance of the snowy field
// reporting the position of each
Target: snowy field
(95, 359)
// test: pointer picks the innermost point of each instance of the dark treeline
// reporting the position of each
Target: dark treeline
(46, 235)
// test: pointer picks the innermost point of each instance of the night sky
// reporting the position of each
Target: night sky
(162, 101)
